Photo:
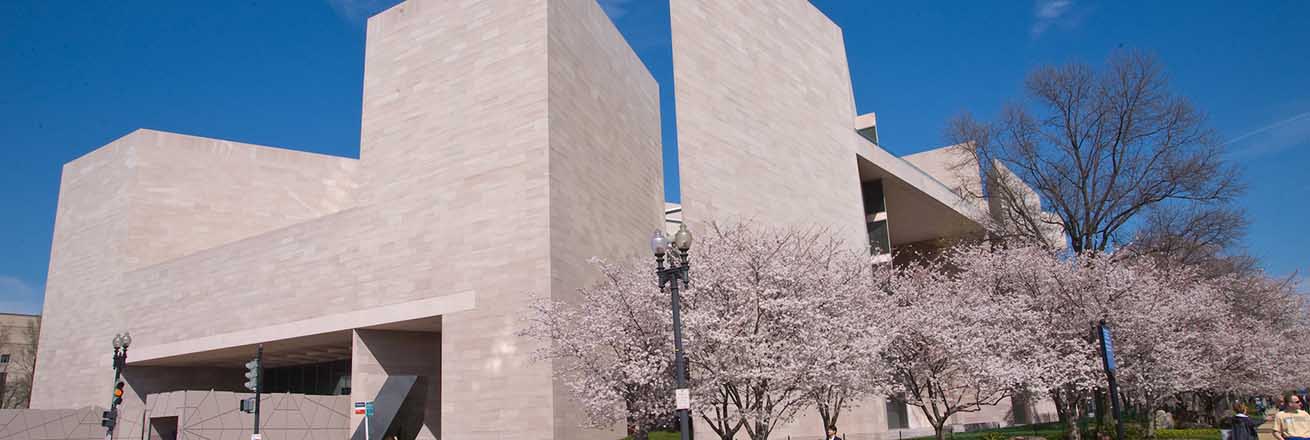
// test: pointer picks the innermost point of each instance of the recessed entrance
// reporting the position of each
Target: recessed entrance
(163, 428)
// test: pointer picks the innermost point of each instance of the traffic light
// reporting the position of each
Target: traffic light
(118, 392)
(252, 375)
(108, 418)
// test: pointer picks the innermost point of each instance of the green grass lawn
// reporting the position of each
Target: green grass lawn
(1047, 430)
(1050, 431)
(660, 435)
(1054, 431)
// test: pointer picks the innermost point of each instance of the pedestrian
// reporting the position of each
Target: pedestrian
(1243, 426)
(832, 433)
(1292, 423)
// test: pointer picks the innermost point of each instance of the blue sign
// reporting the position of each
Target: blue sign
(368, 409)
(1107, 348)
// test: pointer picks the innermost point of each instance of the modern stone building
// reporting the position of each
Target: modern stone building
(504, 142)
(767, 129)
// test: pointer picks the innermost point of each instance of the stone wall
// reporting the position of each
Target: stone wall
(765, 114)
(205, 415)
(51, 424)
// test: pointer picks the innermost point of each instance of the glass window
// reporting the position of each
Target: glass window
(314, 379)
(4, 358)
(873, 198)
(879, 241)
(1019, 409)
(898, 415)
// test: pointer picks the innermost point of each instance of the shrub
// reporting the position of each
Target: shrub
(1188, 434)
(1133, 431)
(1055, 435)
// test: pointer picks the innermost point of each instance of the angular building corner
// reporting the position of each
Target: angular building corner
(496, 156)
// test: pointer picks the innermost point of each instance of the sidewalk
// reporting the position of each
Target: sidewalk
(1265, 431)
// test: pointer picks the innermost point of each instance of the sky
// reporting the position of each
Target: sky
(289, 73)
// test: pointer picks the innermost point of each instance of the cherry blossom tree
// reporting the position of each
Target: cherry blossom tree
(775, 322)
(1163, 329)
(1175, 328)
(854, 338)
(779, 320)
(612, 347)
(1157, 331)
(960, 340)
(1265, 312)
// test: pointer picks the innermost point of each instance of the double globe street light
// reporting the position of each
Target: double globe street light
(671, 276)
(121, 342)
(110, 418)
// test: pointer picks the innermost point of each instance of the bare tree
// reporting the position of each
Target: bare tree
(1107, 158)
(1204, 237)
(1100, 149)
(20, 345)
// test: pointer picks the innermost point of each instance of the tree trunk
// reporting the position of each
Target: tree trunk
(761, 431)
(1066, 406)
(1150, 417)
(937, 428)
(1105, 411)
(824, 416)
(829, 405)
(636, 429)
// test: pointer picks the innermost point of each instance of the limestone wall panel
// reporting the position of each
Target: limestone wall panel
(765, 111)
(606, 179)
(193, 193)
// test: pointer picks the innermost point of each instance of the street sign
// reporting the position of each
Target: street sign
(682, 396)
(360, 408)
(1107, 348)
(256, 436)
(368, 409)
(1107, 354)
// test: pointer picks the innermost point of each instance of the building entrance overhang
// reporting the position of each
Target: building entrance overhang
(919, 207)
(325, 338)
(278, 353)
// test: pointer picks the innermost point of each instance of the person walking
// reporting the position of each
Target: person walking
(832, 433)
(1243, 426)
(1292, 423)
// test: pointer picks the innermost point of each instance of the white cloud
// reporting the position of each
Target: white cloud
(17, 296)
(616, 9)
(1050, 13)
(1278, 136)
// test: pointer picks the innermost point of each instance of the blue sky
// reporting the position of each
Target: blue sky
(288, 73)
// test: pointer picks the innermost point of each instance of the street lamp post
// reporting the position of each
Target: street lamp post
(676, 273)
(110, 418)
